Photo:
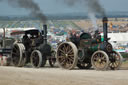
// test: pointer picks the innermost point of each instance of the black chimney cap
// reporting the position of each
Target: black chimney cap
(105, 19)
(44, 25)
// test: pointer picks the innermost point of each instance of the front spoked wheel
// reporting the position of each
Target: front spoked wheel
(36, 59)
(115, 60)
(100, 60)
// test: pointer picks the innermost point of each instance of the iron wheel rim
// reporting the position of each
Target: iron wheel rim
(15, 55)
(67, 55)
(36, 59)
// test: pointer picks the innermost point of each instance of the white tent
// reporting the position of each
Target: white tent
(119, 37)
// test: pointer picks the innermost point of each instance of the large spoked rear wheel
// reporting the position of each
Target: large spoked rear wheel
(36, 59)
(100, 60)
(17, 57)
(115, 60)
(67, 55)
(24, 57)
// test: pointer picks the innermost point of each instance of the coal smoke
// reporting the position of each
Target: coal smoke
(93, 7)
(93, 19)
(29, 5)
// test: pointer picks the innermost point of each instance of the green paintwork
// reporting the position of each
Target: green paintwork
(85, 36)
(94, 48)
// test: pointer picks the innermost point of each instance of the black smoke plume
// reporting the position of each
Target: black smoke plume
(92, 6)
(29, 5)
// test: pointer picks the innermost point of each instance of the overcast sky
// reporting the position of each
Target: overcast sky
(55, 7)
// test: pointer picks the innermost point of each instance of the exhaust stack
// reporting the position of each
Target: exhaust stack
(105, 28)
(45, 33)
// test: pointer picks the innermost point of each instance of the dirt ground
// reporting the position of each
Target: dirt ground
(58, 76)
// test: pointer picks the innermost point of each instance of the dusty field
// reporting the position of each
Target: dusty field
(57, 76)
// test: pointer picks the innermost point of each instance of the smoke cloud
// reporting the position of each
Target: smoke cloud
(93, 19)
(29, 5)
(93, 7)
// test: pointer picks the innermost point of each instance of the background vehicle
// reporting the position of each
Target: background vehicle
(5, 49)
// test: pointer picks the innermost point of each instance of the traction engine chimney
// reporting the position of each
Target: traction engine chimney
(105, 28)
(45, 33)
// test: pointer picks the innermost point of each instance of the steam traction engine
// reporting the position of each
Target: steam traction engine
(86, 51)
(33, 48)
